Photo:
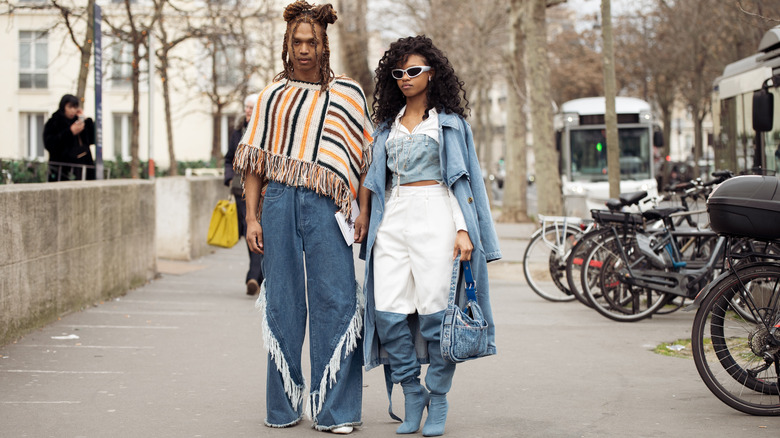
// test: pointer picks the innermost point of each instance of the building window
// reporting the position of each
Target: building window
(33, 59)
(31, 134)
(123, 133)
(121, 64)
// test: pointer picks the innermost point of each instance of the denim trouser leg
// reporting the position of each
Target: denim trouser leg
(241, 212)
(298, 223)
(438, 378)
(255, 267)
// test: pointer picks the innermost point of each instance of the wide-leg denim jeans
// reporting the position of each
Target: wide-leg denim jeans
(299, 227)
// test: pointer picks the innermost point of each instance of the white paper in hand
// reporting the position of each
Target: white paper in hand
(347, 226)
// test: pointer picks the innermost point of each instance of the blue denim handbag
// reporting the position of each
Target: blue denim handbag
(464, 332)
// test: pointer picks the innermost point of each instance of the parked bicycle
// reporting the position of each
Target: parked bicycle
(736, 330)
(634, 272)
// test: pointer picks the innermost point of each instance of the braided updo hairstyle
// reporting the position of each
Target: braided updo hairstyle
(302, 12)
(443, 92)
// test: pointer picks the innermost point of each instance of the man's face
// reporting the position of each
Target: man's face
(305, 53)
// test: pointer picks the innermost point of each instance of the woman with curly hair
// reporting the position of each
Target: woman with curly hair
(427, 204)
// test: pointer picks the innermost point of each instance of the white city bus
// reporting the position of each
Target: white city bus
(581, 140)
(735, 143)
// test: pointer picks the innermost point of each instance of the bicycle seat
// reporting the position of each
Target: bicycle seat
(614, 204)
(661, 213)
(633, 197)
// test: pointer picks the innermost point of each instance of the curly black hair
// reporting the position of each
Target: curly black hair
(443, 92)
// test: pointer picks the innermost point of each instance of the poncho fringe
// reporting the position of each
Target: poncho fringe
(297, 173)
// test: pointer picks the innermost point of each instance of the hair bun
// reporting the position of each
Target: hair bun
(295, 9)
(325, 14)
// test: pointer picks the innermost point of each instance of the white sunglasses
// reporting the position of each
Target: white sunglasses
(413, 72)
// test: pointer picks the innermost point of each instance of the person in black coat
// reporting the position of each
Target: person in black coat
(67, 136)
(254, 277)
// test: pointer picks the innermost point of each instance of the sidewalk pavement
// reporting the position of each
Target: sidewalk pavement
(182, 357)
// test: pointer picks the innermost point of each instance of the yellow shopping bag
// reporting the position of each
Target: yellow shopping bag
(223, 228)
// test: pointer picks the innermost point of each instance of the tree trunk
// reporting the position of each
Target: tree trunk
(698, 139)
(485, 134)
(666, 119)
(610, 116)
(515, 206)
(86, 52)
(548, 178)
(354, 44)
(216, 145)
(134, 118)
(173, 170)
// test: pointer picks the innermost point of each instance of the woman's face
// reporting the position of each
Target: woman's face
(71, 111)
(416, 86)
(248, 108)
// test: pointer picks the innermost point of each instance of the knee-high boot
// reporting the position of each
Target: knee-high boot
(396, 338)
(439, 375)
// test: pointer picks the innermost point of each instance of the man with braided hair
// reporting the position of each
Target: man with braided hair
(303, 158)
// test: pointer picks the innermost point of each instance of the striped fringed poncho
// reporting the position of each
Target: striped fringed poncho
(300, 136)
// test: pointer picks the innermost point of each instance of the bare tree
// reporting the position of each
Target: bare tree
(70, 16)
(163, 54)
(79, 24)
(515, 205)
(572, 51)
(546, 156)
(610, 114)
(134, 30)
(354, 44)
(232, 35)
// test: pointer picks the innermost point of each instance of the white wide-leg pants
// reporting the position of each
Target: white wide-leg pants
(413, 251)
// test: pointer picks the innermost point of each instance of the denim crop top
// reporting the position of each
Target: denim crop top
(412, 158)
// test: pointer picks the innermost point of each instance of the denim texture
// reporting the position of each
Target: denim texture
(461, 172)
(299, 227)
(412, 158)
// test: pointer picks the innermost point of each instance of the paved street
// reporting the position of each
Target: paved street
(182, 357)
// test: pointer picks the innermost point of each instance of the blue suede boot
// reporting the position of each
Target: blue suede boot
(438, 378)
(396, 338)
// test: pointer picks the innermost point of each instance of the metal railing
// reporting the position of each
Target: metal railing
(79, 171)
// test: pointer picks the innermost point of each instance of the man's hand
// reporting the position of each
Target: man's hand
(463, 246)
(254, 236)
(361, 227)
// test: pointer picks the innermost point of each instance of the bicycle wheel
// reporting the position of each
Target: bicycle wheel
(544, 261)
(738, 359)
(575, 260)
(759, 251)
(604, 286)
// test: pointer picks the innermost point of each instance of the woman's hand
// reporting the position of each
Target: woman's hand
(463, 246)
(361, 227)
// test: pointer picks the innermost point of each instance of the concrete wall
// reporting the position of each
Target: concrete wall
(184, 207)
(66, 245)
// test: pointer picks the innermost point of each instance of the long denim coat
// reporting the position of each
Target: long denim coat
(460, 170)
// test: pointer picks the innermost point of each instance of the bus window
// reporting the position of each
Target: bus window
(589, 154)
